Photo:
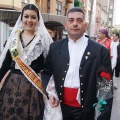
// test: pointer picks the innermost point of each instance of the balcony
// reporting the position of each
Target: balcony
(10, 4)
(69, 1)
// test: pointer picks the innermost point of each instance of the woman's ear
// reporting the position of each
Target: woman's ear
(65, 26)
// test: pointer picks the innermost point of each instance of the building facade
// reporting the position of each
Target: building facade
(53, 13)
(98, 13)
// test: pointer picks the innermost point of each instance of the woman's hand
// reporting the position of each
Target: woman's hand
(53, 101)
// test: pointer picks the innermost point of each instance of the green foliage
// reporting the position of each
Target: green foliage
(77, 3)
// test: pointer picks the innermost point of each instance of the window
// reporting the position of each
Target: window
(48, 6)
(25, 1)
(58, 8)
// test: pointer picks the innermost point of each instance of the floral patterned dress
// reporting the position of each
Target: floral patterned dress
(19, 99)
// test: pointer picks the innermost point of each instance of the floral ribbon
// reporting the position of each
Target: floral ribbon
(14, 45)
(100, 103)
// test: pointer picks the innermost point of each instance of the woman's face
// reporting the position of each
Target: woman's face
(29, 20)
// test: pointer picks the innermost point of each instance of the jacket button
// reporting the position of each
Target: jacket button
(60, 93)
(80, 68)
(65, 71)
(81, 83)
(61, 86)
(82, 91)
(82, 99)
(63, 79)
(82, 106)
(80, 75)
(60, 100)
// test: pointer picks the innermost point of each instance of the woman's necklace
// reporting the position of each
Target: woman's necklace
(26, 42)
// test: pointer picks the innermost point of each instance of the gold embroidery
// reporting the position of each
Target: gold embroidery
(31, 75)
(24, 68)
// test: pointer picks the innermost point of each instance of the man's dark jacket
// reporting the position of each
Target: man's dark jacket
(95, 56)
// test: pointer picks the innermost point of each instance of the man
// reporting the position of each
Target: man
(115, 52)
(103, 38)
(74, 62)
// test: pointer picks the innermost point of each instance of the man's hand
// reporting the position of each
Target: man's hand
(53, 101)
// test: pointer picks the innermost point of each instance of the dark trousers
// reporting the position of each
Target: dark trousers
(71, 113)
(117, 68)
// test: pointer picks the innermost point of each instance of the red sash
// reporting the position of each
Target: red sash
(69, 97)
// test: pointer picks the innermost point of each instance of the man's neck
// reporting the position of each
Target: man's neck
(116, 40)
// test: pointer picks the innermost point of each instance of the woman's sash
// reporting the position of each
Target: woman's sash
(25, 69)
(49, 112)
(30, 75)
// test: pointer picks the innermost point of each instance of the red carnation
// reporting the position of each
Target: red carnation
(105, 75)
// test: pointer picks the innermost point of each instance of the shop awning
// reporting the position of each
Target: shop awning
(8, 16)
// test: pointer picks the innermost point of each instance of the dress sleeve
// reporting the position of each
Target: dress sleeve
(47, 70)
(6, 65)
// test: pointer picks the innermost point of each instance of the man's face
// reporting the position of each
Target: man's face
(115, 38)
(101, 35)
(75, 25)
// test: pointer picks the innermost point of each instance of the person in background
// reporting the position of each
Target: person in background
(104, 39)
(74, 63)
(115, 53)
(21, 97)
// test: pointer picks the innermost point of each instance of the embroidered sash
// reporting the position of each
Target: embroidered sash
(26, 70)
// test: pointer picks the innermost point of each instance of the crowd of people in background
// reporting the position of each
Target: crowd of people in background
(113, 45)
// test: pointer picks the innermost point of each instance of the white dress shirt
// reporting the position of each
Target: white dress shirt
(76, 51)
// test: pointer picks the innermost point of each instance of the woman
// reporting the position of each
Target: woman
(104, 39)
(21, 96)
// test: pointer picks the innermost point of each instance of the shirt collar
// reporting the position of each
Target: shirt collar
(77, 41)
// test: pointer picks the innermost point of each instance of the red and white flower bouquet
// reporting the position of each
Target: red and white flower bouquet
(104, 91)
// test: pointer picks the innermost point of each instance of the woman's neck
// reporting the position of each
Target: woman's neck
(28, 33)
(27, 36)
(103, 39)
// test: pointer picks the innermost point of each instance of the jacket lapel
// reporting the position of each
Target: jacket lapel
(64, 49)
(88, 54)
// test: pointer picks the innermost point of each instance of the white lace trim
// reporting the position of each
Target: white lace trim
(52, 113)
(49, 112)
(28, 57)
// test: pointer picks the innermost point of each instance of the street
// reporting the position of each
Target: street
(116, 104)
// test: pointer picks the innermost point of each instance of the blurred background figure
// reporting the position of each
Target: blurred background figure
(115, 52)
(104, 39)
